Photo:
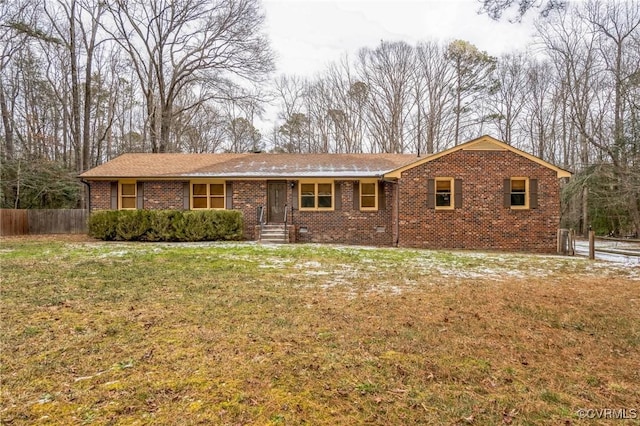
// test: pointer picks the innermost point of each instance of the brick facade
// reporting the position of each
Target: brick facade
(163, 195)
(248, 195)
(156, 195)
(403, 218)
(100, 195)
(347, 224)
(482, 222)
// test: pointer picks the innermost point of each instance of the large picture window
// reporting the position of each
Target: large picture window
(316, 195)
(207, 196)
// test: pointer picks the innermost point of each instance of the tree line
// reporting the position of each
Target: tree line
(83, 81)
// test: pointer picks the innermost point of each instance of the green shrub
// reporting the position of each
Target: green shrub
(230, 226)
(163, 225)
(102, 224)
(166, 225)
(132, 225)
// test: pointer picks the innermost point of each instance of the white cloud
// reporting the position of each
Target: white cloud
(307, 35)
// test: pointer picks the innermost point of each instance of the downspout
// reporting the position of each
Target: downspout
(88, 193)
(397, 221)
(292, 185)
(397, 241)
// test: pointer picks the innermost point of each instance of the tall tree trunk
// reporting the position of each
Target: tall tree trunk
(75, 89)
(6, 122)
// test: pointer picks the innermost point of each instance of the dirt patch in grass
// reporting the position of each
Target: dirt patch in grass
(121, 333)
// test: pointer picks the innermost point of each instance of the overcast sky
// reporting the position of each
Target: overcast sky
(308, 34)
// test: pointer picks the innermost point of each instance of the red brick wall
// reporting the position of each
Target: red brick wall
(163, 195)
(248, 195)
(348, 225)
(482, 222)
(158, 195)
(100, 195)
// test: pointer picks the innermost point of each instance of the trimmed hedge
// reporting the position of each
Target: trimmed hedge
(166, 225)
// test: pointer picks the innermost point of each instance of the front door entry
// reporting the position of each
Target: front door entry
(276, 201)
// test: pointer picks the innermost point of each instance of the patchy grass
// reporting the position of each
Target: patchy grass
(117, 333)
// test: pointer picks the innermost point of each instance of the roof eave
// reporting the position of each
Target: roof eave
(346, 176)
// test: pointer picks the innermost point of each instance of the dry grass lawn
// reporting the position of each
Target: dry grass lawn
(234, 334)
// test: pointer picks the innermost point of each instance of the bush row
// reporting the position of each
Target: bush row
(166, 225)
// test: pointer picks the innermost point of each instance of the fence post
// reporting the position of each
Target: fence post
(572, 242)
(592, 245)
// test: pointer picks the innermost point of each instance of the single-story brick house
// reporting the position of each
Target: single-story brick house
(483, 194)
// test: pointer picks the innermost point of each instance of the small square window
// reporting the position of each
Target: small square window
(200, 189)
(199, 203)
(217, 189)
(217, 202)
(128, 203)
(129, 189)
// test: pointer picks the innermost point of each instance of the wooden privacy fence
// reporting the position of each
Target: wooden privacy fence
(62, 221)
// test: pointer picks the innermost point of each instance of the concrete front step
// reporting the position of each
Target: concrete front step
(273, 234)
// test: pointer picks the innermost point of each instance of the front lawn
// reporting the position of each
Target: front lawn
(239, 333)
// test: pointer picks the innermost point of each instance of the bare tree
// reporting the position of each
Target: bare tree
(507, 94)
(540, 110)
(616, 24)
(572, 50)
(433, 77)
(197, 45)
(387, 71)
(291, 92)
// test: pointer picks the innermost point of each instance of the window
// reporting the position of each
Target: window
(128, 196)
(444, 193)
(368, 195)
(207, 196)
(316, 196)
(520, 193)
